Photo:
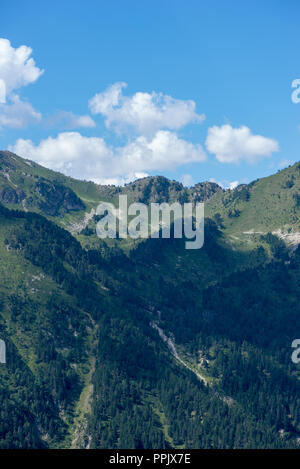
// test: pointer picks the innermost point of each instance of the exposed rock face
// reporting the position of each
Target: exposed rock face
(6, 162)
(57, 199)
(8, 195)
(160, 189)
(156, 189)
(204, 190)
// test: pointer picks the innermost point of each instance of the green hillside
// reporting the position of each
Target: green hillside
(267, 205)
(270, 204)
(86, 325)
(25, 185)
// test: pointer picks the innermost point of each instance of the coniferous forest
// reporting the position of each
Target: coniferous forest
(86, 366)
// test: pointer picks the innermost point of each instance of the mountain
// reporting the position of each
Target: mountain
(271, 204)
(154, 346)
(28, 186)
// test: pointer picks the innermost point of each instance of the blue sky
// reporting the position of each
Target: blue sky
(232, 61)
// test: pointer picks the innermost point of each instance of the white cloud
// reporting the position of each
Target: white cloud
(104, 103)
(2, 91)
(119, 180)
(164, 151)
(18, 114)
(145, 113)
(68, 120)
(187, 180)
(225, 184)
(233, 184)
(232, 145)
(69, 152)
(91, 158)
(17, 68)
(284, 163)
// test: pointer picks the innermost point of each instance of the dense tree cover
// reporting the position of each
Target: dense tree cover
(28, 414)
(95, 316)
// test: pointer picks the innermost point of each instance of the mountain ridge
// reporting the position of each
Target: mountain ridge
(75, 310)
(244, 213)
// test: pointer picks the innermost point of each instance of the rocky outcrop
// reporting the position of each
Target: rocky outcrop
(203, 191)
(57, 199)
(8, 195)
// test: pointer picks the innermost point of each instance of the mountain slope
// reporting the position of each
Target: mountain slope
(25, 185)
(270, 204)
(74, 318)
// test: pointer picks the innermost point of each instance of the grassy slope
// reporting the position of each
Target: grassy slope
(271, 205)
(20, 174)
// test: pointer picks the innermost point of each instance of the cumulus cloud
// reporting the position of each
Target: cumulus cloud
(17, 68)
(225, 184)
(120, 180)
(187, 180)
(91, 158)
(2, 91)
(144, 113)
(69, 120)
(232, 145)
(164, 151)
(69, 152)
(233, 184)
(18, 114)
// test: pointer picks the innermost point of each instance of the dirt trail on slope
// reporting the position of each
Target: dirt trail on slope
(79, 226)
(8, 178)
(172, 347)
